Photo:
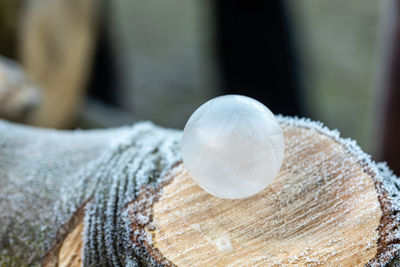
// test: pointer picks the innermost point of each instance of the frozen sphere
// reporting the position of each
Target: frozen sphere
(233, 146)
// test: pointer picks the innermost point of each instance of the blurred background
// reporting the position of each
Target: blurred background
(95, 63)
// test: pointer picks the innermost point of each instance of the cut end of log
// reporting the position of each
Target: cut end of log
(322, 208)
(325, 207)
(71, 249)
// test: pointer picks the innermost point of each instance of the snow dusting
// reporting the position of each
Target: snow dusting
(46, 175)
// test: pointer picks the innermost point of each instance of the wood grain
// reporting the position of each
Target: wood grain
(71, 249)
(321, 210)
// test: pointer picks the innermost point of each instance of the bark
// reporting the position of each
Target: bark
(122, 197)
(47, 175)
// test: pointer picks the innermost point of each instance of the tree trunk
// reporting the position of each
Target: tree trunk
(122, 197)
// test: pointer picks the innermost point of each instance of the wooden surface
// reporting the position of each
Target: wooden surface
(71, 249)
(322, 209)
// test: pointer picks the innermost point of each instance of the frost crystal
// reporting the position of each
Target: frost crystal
(45, 175)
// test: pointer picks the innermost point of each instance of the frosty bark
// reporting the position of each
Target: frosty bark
(47, 175)
(137, 204)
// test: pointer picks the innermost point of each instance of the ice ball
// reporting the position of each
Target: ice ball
(233, 146)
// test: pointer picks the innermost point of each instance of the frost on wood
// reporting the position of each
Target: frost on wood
(46, 175)
(387, 185)
(322, 208)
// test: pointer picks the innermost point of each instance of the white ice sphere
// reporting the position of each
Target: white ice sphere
(233, 146)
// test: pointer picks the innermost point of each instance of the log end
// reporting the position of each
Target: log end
(326, 206)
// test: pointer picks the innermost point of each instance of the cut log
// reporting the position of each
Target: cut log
(122, 197)
(71, 249)
(329, 205)
(47, 177)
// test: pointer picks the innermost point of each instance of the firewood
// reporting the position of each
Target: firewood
(130, 200)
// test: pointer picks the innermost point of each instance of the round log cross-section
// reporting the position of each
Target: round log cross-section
(325, 207)
(322, 208)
